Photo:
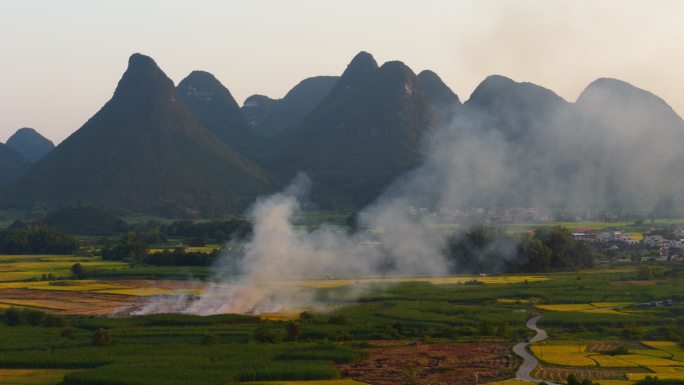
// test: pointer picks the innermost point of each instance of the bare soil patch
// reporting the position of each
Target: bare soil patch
(70, 302)
(398, 362)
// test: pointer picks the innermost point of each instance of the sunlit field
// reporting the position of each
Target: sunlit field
(26, 267)
(32, 376)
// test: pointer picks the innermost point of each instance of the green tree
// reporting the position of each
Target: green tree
(210, 340)
(102, 337)
(559, 240)
(77, 271)
(265, 335)
(33, 317)
(502, 329)
(13, 316)
(485, 328)
(294, 331)
(535, 253)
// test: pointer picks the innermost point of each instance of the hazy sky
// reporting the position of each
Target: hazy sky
(60, 60)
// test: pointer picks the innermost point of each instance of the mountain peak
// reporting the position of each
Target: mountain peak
(143, 80)
(214, 106)
(361, 66)
(438, 90)
(203, 86)
(30, 144)
(619, 92)
(138, 59)
(611, 98)
(145, 152)
(203, 77)
(500, 89)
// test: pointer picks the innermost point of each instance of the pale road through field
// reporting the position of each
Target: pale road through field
(529, 361)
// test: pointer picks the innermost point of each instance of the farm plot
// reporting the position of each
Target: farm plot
(69, 302)
(649, 361)
(578, 355)
(563, 354)
(32, 376)
(673, 348)
(659, 374)
(612, 362)
(494, 280)
(25, 267)
(445, 363)
(567, 307)
(608, 308)
(560, 374)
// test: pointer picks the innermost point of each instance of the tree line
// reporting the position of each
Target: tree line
(31, 238)
(486, 249)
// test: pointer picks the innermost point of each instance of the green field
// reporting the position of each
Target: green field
(230, 349)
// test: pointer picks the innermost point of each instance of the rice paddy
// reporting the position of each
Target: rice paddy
(673, 348)
(607, 308)
(612, 362)
(32, 376)
(577, 355)
(659, 374)
(567, 359)
(567, 307)
(486, 280)
(25, 267)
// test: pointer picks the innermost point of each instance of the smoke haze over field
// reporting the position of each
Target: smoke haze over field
(515, 145)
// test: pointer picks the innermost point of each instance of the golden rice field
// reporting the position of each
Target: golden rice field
(558, 349)
(667, 346)
(532, 300)
(604, 311)
(566, 359)
(610, 304)
(652, 352)
(660, 375)
(612, 362)
(23, 267)
(82, 285)
(576, 354)
(494, 280)
(32, 376)
(595, 307)
(567, 307)
(667, 369)
(644, 360)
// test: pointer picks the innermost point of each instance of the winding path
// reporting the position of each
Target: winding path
(529, 360)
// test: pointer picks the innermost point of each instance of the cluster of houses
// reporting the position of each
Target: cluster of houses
(668, 249)
(482, 215)
(604, 236)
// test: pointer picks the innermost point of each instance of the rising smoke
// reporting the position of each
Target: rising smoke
(616, 148)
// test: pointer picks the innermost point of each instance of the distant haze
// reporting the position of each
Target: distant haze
(61, 60)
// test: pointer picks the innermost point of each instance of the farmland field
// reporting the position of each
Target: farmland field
(32, 376)
(459, 322)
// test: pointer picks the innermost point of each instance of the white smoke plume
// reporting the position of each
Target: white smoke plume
(598, 154)
(278, 254)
